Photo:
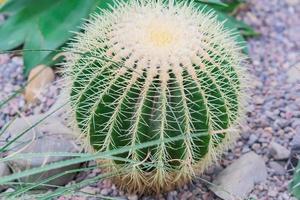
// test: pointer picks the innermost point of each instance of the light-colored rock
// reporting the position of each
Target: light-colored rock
(252, 139)
(293, 2)
(4, 171)
(296, 140)
(38, 79)
(34, 129)
(49, 136)
(295, 152)
(294, 74)
(272, 193)
(29, 195)
(105, 191)
(238, 179)
(61, 108)
(89, 190)
(277, 168)
(279, 152)
(133, 197)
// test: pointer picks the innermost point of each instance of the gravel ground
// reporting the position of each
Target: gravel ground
(11, 80)
(273, 113)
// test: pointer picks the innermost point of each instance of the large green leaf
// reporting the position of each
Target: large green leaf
(13, 32)
(53, 28)
(230, 6)
(42, 26)
(45, 25)
(13, 6)
(215, 2)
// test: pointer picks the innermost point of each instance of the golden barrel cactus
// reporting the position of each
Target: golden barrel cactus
(148, 70)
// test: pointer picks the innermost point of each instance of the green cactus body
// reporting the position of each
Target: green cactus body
(150, 71)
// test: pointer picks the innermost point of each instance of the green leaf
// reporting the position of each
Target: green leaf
(215, 2)
(34, 40)
(229, 7)
(42, 26)
(294, 186)
(13, 6)
(10, 36)
(245, 29)
(14, 31)
(106, 4)
(53, 28)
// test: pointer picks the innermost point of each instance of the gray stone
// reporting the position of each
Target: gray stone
(295, 152)
(4, 171)
(61, 108)
(49, 136)
(279, 152)
(245, 149)
(294, 74)
(296, 123)
(296, 140)
(172, 195)
(253, 138)
(277, 168)
(238, 179)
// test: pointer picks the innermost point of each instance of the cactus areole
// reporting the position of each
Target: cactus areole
(151, 71)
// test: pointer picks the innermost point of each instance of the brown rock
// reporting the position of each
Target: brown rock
(38, 79)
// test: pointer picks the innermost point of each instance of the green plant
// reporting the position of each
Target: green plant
(294, 186)
(42, 27)
(146, 71)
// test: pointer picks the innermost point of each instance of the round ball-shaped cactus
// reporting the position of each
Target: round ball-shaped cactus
(151, 71)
